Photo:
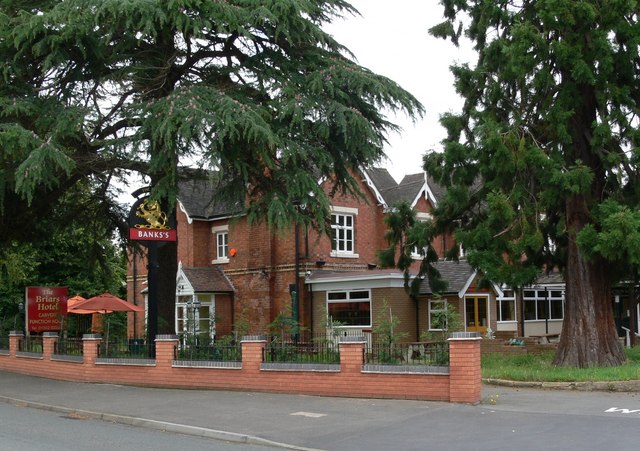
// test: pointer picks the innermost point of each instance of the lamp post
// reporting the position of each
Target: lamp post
(194, 305)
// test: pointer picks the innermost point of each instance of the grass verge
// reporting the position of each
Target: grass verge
(539, 368)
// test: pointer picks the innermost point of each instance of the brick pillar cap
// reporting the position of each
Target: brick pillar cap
(49, 334)
(352, 339)
(166, 337)
(92, 337)
(254, 338)
(465, 336)
(16, 333)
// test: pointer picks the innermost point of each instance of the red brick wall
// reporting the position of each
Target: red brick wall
(462, 385)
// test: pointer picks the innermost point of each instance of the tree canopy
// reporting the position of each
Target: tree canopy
(541, 164)
(255, 89)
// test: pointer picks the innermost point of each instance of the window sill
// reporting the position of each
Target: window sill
(343, 255)
(220, 261)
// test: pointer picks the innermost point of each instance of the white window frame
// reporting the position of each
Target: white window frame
(511, 299)
(415, 251)
(184, 323)
(221, 232)
(445, 306)
(347, 213)
(348, 300)
(539, 296)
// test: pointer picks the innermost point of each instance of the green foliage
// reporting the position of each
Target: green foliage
(546, 137)
(447, 320)
(539, 368)
(386, 326)
(405, 236)
(256, 90)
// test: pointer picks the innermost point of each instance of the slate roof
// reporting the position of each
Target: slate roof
(208, 280)
(455, 273)
(552, 278)
(200, 195)
(201, 199)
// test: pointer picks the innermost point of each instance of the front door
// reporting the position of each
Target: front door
(476, 313)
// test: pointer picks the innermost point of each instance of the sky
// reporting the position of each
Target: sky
(391, 38)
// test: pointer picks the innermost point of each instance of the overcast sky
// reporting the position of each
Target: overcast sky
(392, 39)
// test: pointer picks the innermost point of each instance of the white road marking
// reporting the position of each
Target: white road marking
(309, 414)
(621, 410)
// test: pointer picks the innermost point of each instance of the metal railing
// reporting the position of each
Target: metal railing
(126, 349)
(31, 344)
(301, 348)
(68, 347)
(4, 342)
(214, 352)
(422, 353)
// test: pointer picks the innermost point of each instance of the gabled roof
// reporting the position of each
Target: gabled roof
(199, 195)
(409, 190)
(457, 274)
(207, 280)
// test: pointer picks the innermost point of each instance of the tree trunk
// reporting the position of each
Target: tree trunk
(167, 271)
(589, 337)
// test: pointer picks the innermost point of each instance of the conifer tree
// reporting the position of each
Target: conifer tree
(541, 164)
(254, 89)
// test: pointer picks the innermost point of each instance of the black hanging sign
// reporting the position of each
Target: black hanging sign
(148, 221)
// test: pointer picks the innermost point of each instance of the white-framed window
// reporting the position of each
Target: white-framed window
(418, 253)
(221, 234)
(542, 304)
(195, 321)
(438, 314)
(342, 233)
(351, 308)
(507, 306)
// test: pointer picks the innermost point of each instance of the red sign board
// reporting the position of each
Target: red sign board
(45, 308)
(152, 235)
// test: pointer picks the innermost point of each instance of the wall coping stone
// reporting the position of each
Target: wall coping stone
(166, 337)
(465, 336)
(352, 339)
(92, 337)
(50, 334)
(254, 338)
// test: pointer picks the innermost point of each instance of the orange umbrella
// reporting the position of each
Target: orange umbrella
(105, 303)
(71, 306)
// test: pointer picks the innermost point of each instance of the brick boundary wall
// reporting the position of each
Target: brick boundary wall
(462, 384)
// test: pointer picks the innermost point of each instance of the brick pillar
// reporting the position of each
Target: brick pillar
(166, 346)
(351, 354)
(253, 347)
(465, 374)
(49, 340)
(15, 338)
(90, 344)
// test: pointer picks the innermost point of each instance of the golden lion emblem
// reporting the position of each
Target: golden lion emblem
(151, 212)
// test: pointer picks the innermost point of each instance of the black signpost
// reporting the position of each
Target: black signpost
(152, 227)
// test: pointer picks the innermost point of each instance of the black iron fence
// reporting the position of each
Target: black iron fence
(422, 353)
(68, 347)
(126, 349)
(31, 344)
(4, 342)
(302, 348)
(223, 351)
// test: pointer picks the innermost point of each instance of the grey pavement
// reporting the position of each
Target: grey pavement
(312, 422)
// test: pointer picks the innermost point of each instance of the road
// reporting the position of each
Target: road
(27, 429)
(507, 419)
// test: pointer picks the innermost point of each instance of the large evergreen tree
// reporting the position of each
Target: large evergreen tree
(252, 88)
(541, 164)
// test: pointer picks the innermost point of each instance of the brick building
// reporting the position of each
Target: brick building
(244, 274)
